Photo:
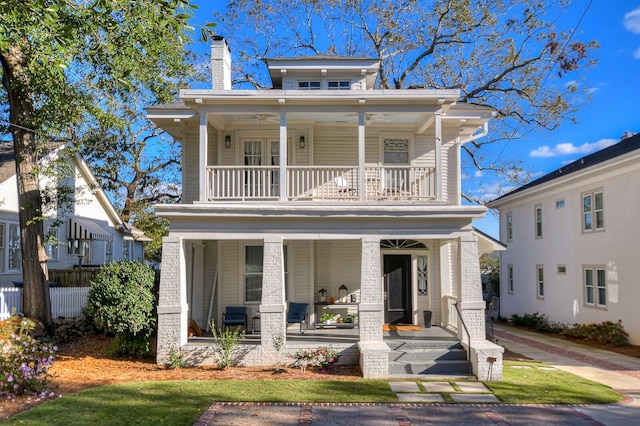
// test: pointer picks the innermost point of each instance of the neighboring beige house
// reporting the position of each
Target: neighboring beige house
(90, 233)
(322, 182)
(573, 242)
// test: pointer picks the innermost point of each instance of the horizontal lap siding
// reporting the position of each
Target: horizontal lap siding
(335, 146)
(210, 266)
(337, 263)
(190, 168)
(299, 279)
(228, 280)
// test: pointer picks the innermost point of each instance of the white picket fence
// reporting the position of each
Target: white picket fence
(65, 301)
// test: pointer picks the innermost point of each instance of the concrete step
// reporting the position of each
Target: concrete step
(439, 368)
(424, 354)
(423, 344)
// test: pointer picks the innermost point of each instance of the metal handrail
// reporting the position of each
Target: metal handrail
(464, 327)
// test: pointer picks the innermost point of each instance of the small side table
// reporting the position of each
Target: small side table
(253, 322)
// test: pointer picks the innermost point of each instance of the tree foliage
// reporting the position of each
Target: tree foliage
(61, 59)
(503, 54)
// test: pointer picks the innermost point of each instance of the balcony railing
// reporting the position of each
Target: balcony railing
(322, 183)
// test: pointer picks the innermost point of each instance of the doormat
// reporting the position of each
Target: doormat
(401, 327)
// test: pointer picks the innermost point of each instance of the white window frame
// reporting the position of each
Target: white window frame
(509, 221)
(339, 85)
(598, 286)
(2, 246)
(593, 212)
(309, 85)
(15, 248)
(288, 291)
(108, 251)
(53, 251)
(562, 269)
(537, 212)
(560, 203)
(510, 279)
(540, 281)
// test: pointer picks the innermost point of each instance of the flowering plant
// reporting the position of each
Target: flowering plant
(24, 361)
(320, 357)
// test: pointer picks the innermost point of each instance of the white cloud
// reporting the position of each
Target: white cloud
(571, 149)
(477, 174)
(631, 21)
(636, 53)
(571, 83)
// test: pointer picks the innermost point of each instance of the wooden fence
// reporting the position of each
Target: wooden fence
(73, 277)
(65, 301)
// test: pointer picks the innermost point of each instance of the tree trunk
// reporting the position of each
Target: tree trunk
(36, 303)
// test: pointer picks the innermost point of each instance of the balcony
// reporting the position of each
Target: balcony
(322, 183)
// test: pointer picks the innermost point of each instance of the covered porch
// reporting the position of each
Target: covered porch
(386, 281)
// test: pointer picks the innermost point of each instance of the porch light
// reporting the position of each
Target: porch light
(342, 293)
(301, 142)
(227, 141)
(323, 295)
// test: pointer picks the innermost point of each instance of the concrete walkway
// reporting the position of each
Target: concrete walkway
(425, 407)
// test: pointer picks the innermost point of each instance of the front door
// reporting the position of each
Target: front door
(258, 181)
(397, 289)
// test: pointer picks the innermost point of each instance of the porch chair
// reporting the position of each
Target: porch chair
(344, 190)
(234, 315)
(298, 314)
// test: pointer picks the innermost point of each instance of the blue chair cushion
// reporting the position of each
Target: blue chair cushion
(235, 315)
(297, 312)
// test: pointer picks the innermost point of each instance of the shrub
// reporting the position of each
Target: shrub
(121, 302)
(605, 333)
(321, 357)
(24, 362)
(226, 345)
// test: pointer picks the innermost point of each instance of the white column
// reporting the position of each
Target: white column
(438, 129)
(196, 306)
(361, 157)
(374, 353)
(283, 157)
(172, 300)
(204, 145)
(272, 309)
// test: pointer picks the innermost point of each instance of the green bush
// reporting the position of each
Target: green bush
(226, 345)
(121, 302)
(605, 333)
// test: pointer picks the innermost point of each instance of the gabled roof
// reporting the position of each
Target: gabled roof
(7, 162)
(625, 146)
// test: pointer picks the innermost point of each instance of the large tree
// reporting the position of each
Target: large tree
(61, 58)
(505, 54)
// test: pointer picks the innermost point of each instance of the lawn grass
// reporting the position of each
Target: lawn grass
(183, 402)
(536, 386)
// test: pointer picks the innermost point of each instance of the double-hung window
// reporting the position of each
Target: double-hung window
(540, 281)
(509, 226)
(52, 244)
(592, 211)
(15, 250)
(510, 279)
(253, 272)
(2, 246)
(595, 286)
(538, 224)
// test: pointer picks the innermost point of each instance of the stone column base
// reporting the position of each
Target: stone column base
(374, 360)
(486, 360)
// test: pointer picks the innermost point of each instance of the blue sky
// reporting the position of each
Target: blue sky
(614, 83)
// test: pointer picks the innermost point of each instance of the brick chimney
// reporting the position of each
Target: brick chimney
(220, 64)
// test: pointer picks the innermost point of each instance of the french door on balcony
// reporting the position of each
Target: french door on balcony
(261, 181)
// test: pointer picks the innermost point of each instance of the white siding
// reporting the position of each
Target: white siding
(564, 243)
(337, 263)
(299, 266)
(229, 285)
(210, 266)
(335, 146)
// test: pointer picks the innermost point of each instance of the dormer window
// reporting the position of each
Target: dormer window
(339, 85)
(308, 85)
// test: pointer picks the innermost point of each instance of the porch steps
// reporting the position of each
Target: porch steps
(427, 359)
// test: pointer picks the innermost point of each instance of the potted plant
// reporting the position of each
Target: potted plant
(327, 317)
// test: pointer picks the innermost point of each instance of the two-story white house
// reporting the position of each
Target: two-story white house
(573, 242)
(322, 182)
(88, 231)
